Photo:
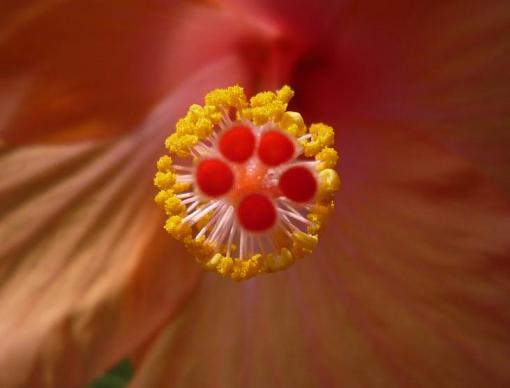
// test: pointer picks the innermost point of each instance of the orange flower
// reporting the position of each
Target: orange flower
(409, 285)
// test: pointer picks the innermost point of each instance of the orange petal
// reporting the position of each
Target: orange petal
(93, 69)
(87, 272)
(76, 231)
(410, 286)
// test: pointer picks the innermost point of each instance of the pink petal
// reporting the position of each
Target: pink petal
(411, 283)
(86, 271)
(410, 287)
(95, 68)
(442, 68)
(300, 22)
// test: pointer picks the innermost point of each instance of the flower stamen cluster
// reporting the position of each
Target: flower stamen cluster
(246, 186)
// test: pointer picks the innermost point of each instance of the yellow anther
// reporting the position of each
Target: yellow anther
(268, 106)
(225, 266)
(162, 196)
(262, 99)
(164, 180)
(213, 114)
(196, 112)
(287, 257)
(237, 269)
(185, 127)
(177, 228)
(285, 94)
(214, 261)
(322, 136)
(323, 133)
(280, 261)
(273, 262)
(318, 215)
(200, 248)
(305, 241)
(241, 269)
(179, 187)
(181, 145)
(203, 128)
(303, 244)
(315, 227)
(329, 183)
(174, 206)
(257, 263)
(310, 148)
(229, 97)
(198, 122)
(328, 158)
(322, 210)
(292, 123)
(164, 163)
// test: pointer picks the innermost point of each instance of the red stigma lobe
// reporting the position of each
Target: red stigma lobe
(298, 184)
(256, 212)
(237, 144)
(214, 177)
(275, 148)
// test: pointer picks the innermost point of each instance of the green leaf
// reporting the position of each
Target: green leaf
(117, 377)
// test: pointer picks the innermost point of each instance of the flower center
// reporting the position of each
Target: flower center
(251, 183)
(250, 177)
(259, 185)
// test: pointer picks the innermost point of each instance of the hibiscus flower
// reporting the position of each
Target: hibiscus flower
(409, 284)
